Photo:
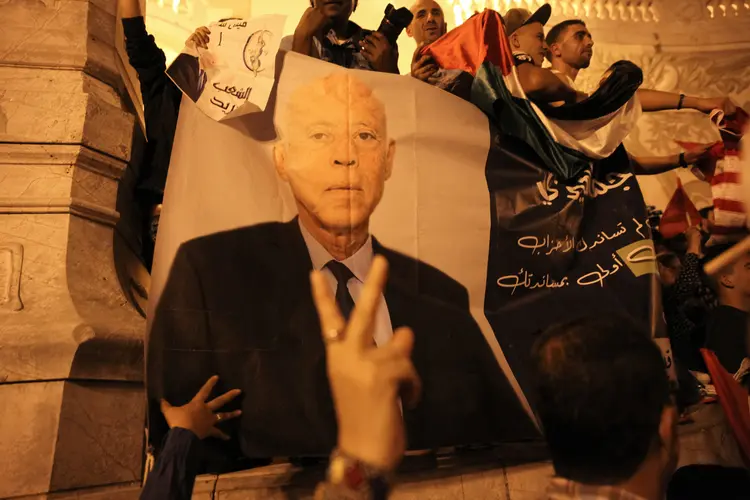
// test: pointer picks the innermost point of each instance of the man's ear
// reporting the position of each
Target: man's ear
(389, 155)
(279, 161)
(513, 38)
(554, 50)
(409, 31)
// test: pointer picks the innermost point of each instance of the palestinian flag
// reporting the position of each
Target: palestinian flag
(569, 228)
(566, 138)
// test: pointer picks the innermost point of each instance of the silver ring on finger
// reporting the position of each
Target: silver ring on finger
(333, 335)
(219, 417)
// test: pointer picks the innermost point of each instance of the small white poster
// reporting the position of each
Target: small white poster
(235, 74)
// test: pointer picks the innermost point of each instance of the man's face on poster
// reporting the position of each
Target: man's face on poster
(334, 151)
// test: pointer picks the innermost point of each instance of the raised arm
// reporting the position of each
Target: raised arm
(130, 8)
(312, 23)
(652, 165)
(656, 100)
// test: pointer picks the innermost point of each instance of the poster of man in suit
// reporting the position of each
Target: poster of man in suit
(237, 302)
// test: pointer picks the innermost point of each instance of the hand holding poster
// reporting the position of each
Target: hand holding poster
(235, 74)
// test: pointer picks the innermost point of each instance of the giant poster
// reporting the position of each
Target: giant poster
(342, 164)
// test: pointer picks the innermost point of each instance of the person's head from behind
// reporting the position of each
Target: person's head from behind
(604, 402)
(571, 43)
(340, 10)
(669, 265)
(732, 283)
(707, 219)
(429, 22)
(526, 31)
(334, 151)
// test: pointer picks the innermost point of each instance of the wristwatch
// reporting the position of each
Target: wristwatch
(683, 162)
(352, 474)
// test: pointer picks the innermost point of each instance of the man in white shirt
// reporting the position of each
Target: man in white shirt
(238, 303)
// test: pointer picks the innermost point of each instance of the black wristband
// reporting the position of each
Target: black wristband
(681, 101)
(683, 162)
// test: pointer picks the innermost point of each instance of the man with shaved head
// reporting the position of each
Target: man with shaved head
(427, 26)
(429, 22)
(238, 303)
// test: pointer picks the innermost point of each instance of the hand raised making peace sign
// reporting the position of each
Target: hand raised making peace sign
(366, 381)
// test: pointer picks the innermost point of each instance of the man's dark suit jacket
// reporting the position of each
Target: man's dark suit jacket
(238, 304)
(186, 72)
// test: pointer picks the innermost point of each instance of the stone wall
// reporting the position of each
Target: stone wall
(70, 343)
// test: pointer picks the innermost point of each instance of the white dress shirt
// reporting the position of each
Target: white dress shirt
(359, 264)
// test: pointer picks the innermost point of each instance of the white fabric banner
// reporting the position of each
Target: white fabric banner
(248, 206)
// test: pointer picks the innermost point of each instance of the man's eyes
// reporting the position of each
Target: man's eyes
(364, 135)
(319, 136)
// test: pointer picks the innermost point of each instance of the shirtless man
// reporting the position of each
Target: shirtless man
(570, 49)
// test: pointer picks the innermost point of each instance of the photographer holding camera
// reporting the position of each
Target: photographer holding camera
(325, 32)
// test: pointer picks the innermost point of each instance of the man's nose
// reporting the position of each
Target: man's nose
(349, 163)
(345, 154)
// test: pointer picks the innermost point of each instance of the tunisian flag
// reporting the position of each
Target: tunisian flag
(679, 215)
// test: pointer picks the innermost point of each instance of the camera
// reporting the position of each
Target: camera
(393, 23)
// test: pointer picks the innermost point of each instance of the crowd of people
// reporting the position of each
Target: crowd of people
(604, 444)
(703, 311)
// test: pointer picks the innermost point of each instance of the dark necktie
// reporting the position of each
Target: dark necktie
(343, 297)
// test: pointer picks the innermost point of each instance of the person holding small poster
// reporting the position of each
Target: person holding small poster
(161, 102)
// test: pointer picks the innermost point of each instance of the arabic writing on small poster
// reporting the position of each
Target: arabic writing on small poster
(235, 74)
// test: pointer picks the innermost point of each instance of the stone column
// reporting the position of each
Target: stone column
(71, 348)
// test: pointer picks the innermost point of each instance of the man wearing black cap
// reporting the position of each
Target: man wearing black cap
(525, 32)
